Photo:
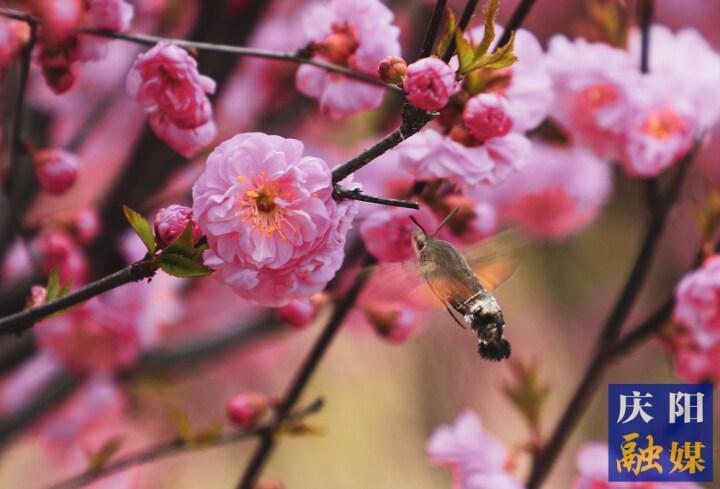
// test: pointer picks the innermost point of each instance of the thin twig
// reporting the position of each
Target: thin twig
(431, 34)
(178, 445)
(24, 320)
(302, 378)
(516, 20)
(641, 333)
(357, 194)
(464, 22)
(546, 456)
(646, 9)
(150, 40)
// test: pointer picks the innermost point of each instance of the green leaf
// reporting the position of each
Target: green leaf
(445, 39)
(464, 50)
(501, 58)
(489, 34)
(98, 460)
(181, 265)
(141, 227)
(209, 435)
(184, 244)
(66, 288)
(53, 285)
(182, 425)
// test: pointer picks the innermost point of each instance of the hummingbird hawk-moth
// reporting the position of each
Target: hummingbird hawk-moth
(458, 287)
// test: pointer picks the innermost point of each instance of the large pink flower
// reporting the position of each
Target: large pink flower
(429, 155)
(559, 192)
(478, 459)
(166, 82)
(274, 230)
(353, 34)
(698, 303)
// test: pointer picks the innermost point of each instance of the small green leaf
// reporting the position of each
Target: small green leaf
(299, 428)
(53, 285)
(184, 244)
(182, 425)
(98, 460)
(501, 58)
(181, 265)
(445, 39)
(209, 435)
(464, 50)
(141, 227)
(489, 34)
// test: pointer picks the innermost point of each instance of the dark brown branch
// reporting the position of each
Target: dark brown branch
(357, 194)
(641, 333)
(433, 28)
(178, 445)
(464, 22)
(24, 320)
(150, 40)
(516, 20)
(302, 378)
(546, 456)
(645, 9)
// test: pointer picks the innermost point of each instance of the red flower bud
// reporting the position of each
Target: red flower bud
(245, 409)
(56, 170)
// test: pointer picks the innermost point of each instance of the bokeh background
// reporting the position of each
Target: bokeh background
(382, 400)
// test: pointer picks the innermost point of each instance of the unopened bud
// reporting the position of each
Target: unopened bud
(245, 409)
(301, 313)
(486, 116)
(56, 170)
(38, 296)
(392, 323)
(170, 223)
(392, 70)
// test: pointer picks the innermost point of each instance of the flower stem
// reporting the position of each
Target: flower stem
(357, 194)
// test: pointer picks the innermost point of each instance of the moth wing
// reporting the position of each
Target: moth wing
(495, 259)
(401, 281)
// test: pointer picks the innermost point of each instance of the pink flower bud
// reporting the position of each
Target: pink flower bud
(393, 323)
(56, 170)
(38, 296)
(301, 313)
(57, 250)
(60, 18)
(87, 225)
(392, 69)
(171, 221)
(429, 82)
(486, 116)
(245, 409)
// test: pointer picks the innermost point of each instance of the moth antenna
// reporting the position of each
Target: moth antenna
(418, 224)
(445, 221)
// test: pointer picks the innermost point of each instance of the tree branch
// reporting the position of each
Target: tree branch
(24, 320)
(357, 194)
(178, 445)
(516, 20)
(431, 34)
(150, 40)
(302, 377)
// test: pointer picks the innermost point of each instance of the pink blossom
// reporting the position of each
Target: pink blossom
(486, 116)
(560, 191)
(688, 66)
(353, 34)
(429, 155)
(100, 335)
(526, 85)
(60, 19)
(478, 459)
(696, 364)
(13, 36)
(171, 221)
(87, 225)
(246, 409)
(387, 232)
(84, 423)
(56, 170)
(592, 463)
(274, 231)
(698, 303)
(166, 82)
(592, 82)
(57, 250)
(115, 15)
(392, 321)
(429, 83)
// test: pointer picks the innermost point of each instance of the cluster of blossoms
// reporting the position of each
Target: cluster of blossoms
(274, 230)
(696, 348)
(357, 35)
(646, 121)
(477, 459)
(60, 44)
(166, 82)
